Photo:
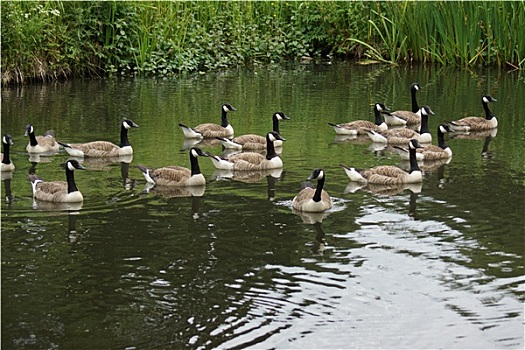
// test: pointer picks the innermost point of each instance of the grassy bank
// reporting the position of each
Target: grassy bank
(45, 40)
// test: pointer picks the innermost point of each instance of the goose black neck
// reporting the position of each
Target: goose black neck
(194, 165)
(275, 124)
(124, 137)
(318, 190)
(488, 113)
(424, 124)
(413, 160)
(377, 114)
(224, 120)
(70, 177)
(32, 139)
(270, 149)
(415, 107)
(6, 159)
(441, 140)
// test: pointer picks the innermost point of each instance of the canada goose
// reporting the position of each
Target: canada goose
(177, 175)
(252, 160)
(406, 117)
(361, 127)
(430, 152)
(477, 123)
(387, 174)
(7, 164)
(310, 199)
(103, 148)
(210, 130)
(403, 135)
(58, 191)
(40, 144)
(252, 141)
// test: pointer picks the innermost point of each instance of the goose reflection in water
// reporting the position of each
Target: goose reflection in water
(6, 177)
(104, 164)
(315, 219)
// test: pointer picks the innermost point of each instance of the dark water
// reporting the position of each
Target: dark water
(440, 266)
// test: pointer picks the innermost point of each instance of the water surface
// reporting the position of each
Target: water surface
(434, 266)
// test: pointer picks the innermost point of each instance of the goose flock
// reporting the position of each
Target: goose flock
(262, 153)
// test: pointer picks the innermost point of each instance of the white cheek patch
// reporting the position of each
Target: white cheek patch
(321, 174)
(442, 129)
(126, 125)
(485, 99)
(272, 138)
(70, 166)
(4, 140)
(194, 153)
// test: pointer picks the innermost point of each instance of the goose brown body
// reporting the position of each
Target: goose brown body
(477, 123)
(388, 174)
(177, 176)
(58, 191)
(211, 130)
(361, 127)
(102, 149)
(403, 117)
(311, 199)
(252, 160)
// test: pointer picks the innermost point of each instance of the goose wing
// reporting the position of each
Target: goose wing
(170, 175)
(96, 148)
(472, 122)
(212, 130)
(47, 141)
(251, 141)
(248, 161)
(408, 116)
(383, 170)
(52, 187)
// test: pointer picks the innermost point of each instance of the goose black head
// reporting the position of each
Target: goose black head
(488, 98)
(413, 144)
(281, 116)
(228, 107)
(128, 123)
(29, 129)
(415, 87)
(274, 136)
(425, 110)
(444, 128)
(73, 164)
(6, 139)
(381, 107)
(196, 152)
(316, 174)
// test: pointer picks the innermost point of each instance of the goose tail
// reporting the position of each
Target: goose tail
(353, 173)
(34, 179)
(146, 172)
(376, 137)
(190, 133)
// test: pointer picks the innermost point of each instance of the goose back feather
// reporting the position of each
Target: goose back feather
(404, 135)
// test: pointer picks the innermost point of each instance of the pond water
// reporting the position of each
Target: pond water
(439, 266)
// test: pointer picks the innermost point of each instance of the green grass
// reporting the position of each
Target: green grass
(44, 40)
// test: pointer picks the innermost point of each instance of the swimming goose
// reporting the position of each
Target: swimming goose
(361, 127)
(58, 191)
(430, 152)
(404, 135)
(252, 160)
(103, 148)
(7, 164)
(40, 144)
(477, 123)
(177, 175)
(387, 174)
(406, 117)
(252, 141)
(310, 199)
(210, 130)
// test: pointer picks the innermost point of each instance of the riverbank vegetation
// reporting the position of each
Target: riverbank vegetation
(43, 40)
